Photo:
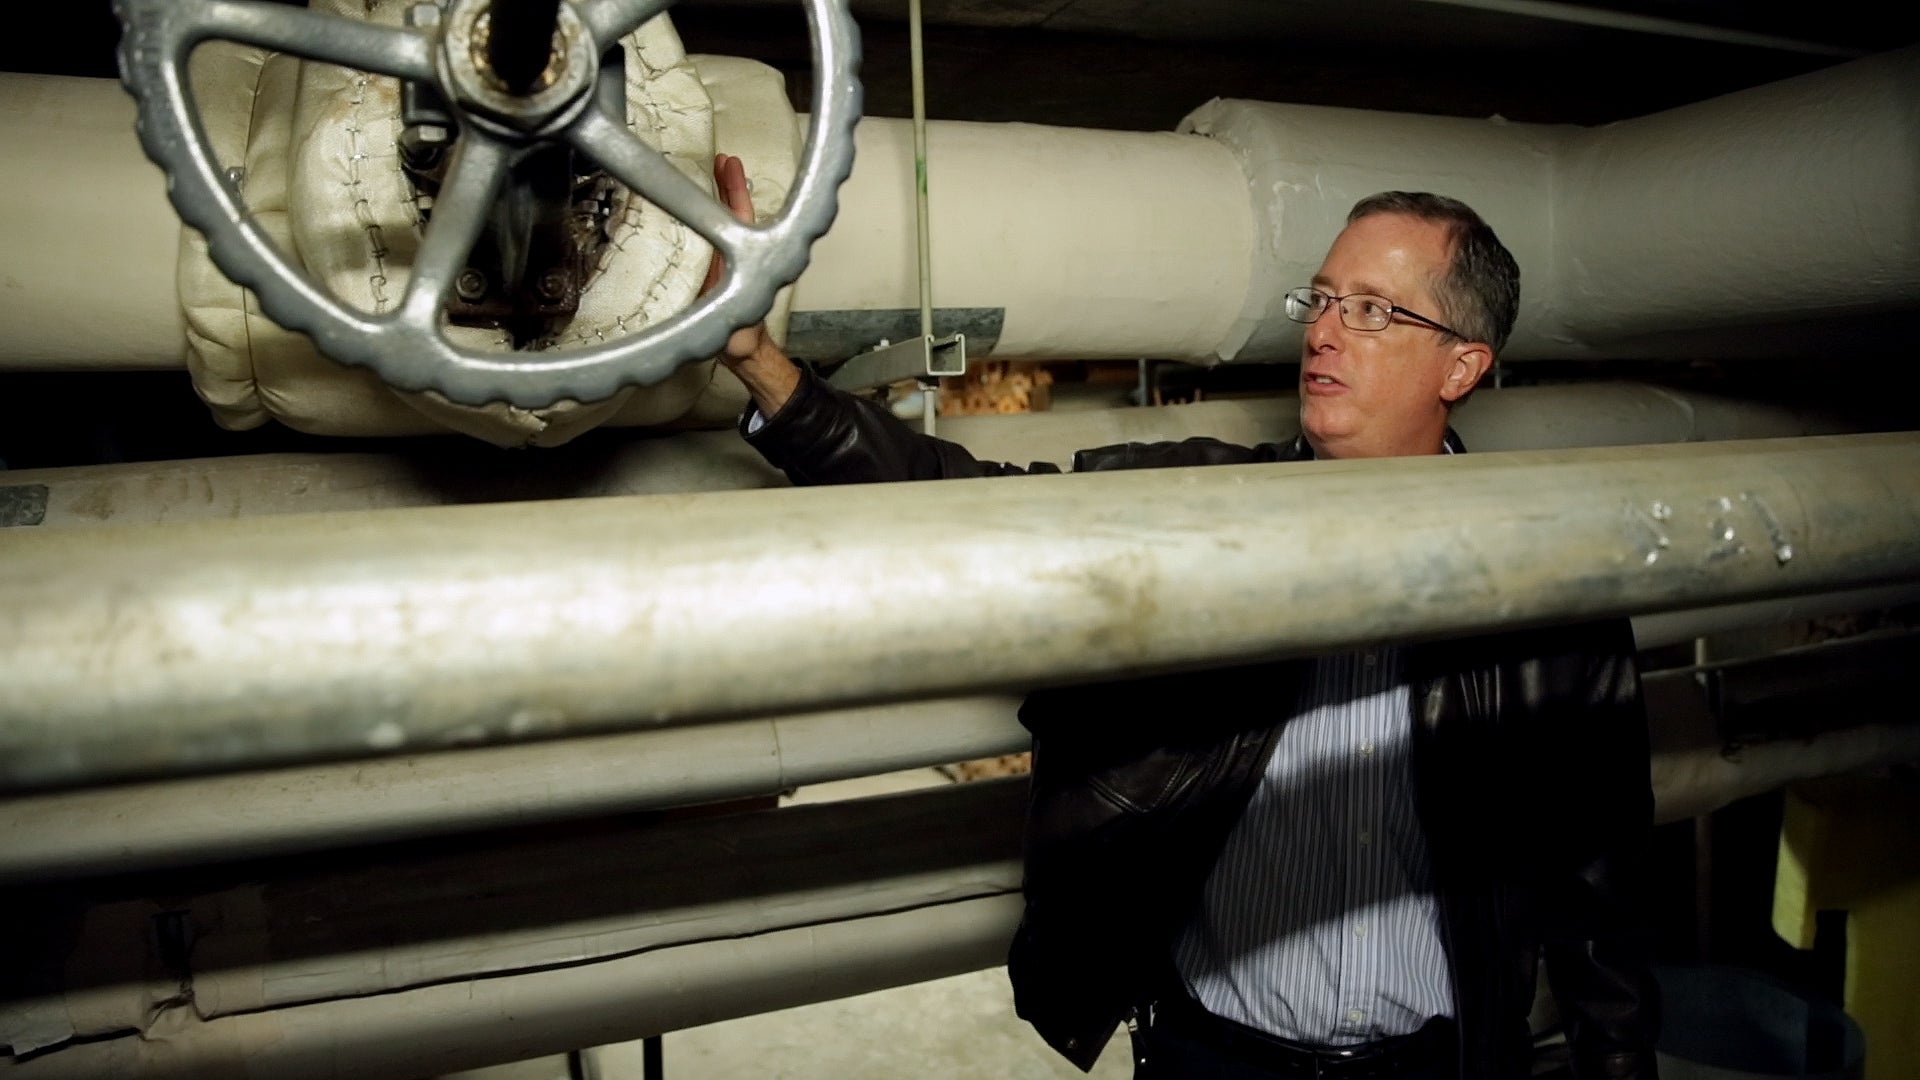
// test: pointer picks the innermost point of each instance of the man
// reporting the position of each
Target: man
(1339, 867)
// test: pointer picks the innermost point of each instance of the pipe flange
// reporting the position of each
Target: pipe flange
(407, 346)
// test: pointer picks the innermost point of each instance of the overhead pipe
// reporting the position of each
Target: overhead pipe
(134, 827)
(279, 935)
(1633, 22)
(174, 650)
(1775, 221)
(77, 189)
(1800, 190)
(446, 1027)
(282, 957)
(1517, 418)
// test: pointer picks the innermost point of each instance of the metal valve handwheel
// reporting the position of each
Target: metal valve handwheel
(406, 346)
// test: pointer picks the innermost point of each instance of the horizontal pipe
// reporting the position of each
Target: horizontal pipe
(86, 263)
(172, 650)
(1688, 783)
(433, 1030)
(280, 937)
(166, 823)
(1674, 627)
(283, 934)
(1585, 15)
(1519, 418)
(143, 826)
(283, 952)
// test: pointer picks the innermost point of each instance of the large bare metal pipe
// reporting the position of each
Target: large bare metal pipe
(129, 827)
(191, 648)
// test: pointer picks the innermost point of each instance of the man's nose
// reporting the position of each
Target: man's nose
(1326, 331)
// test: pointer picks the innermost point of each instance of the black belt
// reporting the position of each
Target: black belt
(1436, 1043)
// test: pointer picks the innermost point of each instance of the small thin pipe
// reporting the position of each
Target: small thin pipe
(1653, 24)
(920, 171)
(133, 827)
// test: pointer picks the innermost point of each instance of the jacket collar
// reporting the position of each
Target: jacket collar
(1451, 444)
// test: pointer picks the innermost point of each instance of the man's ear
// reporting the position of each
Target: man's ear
(1471, 361)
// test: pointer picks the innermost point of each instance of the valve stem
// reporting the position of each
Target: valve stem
(520, 41)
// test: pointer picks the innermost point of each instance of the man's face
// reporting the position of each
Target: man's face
(1384, 393)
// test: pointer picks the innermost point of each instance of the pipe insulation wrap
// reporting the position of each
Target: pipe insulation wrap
(1771, 206)
(219, 645)
(86, 266)
(1771, 222)
(1095, 243)
(1788, 201)
(1308, 164)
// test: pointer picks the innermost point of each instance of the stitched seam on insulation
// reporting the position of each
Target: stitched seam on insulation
(362, 210)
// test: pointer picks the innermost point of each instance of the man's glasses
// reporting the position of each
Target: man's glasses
(1358, 311)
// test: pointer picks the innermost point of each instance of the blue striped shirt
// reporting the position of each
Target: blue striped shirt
(1319, 923)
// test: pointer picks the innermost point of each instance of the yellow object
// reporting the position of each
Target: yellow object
(1853, 844)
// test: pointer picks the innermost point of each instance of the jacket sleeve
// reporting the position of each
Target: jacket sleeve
(824, 435)
(1594, 938)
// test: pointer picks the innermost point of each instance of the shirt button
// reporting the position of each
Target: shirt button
(1360, 930)
(1366, 748)
(1366, 837)
(1355, 1016)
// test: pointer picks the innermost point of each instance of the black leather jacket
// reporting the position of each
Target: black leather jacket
(1530, 757)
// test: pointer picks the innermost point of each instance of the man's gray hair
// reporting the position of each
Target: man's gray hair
(1479, 294)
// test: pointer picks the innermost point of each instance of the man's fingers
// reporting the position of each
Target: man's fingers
(732, 175)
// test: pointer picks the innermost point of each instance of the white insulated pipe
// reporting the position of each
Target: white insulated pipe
(1790, 201)
(87, 237)
(1764, 208)
(218, 645)
(1738, 219)
(1093, 243)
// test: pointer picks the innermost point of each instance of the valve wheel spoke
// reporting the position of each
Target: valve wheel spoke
(648, 173)
(480, 164)
(382, 50)
(610, 20)
(407, 347)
